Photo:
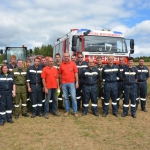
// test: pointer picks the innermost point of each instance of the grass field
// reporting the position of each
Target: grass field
(84, 133)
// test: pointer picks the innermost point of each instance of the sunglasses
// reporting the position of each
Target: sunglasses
(79, 57)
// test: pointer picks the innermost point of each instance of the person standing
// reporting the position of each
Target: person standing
(20, 75)
(81, 65)
(73, 58)
(100, 67)
(143, 75)
(68, 75)
(34, 83)
(90, 77)
(57, 66)
(29, 105)
(121, 66)
(12, 63)
(51, 84)
(130, 76)
(110, 74)
(7, 91)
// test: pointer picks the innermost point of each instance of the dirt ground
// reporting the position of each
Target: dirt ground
(88, 132)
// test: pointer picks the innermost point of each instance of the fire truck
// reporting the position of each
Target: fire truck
(93, 43)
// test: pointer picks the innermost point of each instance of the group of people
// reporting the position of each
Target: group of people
(73, 83)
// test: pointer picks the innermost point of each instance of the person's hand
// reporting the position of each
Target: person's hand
(14, 94)
(43, 89)
(29, 89)
(46, 90)
(77, 85)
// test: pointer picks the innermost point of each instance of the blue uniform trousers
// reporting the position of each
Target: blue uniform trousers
(141, 94)
(120, 92)
(6, 104)
(79, 94)
(36, 99)
(90, 92)
(111, 91)
(129, 93)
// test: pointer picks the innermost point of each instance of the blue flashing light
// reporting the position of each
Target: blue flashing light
(117, 32)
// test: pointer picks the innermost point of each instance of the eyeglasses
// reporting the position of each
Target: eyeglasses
(79, 57)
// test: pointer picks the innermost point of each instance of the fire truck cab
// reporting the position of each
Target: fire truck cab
(93, 43)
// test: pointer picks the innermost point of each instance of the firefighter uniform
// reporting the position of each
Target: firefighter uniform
(110, 75)
(120, 84)
(60, 97)
(21, 91)
(90, 79)
(143, 75)
(6, 101)
(11, 67)
(80, 67)
(130, 90)
(35, 81)
(100, 84)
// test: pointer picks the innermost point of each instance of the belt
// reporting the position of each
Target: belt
(90, 84)
(120, 80)
(110, 81)
(141, 80)
(36, 84)
(20, 84)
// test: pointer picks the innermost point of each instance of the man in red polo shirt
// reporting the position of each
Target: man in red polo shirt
(68, 75)
(50, 82)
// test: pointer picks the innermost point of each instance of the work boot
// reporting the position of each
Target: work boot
(16, 116)
(1, 123)
(10, 121)
(134, 115)
(76, 115)
(66, 113)
(33, 115)
(123, 115)
(40, 115)
(96, 114)
(116, 114)
(144, 110)
(56, 114)
(84, 113)
(25, 115)
(104, 115)
(46, 116)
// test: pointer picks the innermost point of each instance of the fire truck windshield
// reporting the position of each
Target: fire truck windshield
(105, 44)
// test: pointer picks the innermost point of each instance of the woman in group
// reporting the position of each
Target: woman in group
(7, 92)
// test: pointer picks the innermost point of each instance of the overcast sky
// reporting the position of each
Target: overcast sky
(37, 22)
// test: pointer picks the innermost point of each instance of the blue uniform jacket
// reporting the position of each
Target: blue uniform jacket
(90, 77)
(11, 67)
(110, 74)
(143, 73)
(81, 67)
(130, 75)
(34, 75)
(6, 83)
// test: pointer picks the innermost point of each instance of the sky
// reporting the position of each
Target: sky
(40, 22)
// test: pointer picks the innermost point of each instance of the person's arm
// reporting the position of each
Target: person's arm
(44, 84)
(28, 81)
(76, 79)
(14, 90)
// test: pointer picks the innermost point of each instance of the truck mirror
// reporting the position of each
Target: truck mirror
(74, 48)
(132, 44)
(74, 41)
(131, 51)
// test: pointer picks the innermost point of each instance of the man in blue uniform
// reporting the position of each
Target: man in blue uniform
(143, 75)
(34, 83)
(12, 63)
(90, 77)
(110, 75)
(121, 66)
(130, 88)
(81, 65)
(100, 66)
